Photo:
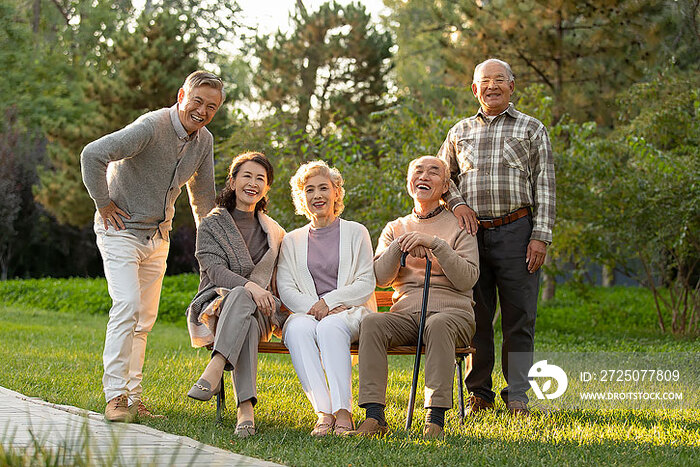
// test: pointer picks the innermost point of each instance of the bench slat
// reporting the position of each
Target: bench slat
(384, 298)
(279, 348)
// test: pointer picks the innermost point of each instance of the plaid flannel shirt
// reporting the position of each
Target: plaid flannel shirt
(499, 167)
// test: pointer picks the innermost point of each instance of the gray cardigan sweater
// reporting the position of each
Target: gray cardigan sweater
(224, 260)
(143, 167)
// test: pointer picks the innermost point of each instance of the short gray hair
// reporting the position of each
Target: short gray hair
(204, 78)
(477, 69)
(442, 163)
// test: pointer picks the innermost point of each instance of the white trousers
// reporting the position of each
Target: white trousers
(134, 273)
(318, 345)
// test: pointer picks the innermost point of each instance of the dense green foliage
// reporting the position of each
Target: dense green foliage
(604, 77)
(582, 52)
(57, 357)
(641, 197)
(75, 71)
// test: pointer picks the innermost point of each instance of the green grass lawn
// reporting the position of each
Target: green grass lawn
(56, 356)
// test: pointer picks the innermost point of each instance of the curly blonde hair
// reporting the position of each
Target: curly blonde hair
(311, 169)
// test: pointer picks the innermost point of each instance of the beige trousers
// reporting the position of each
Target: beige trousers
(444, 331)
(134, 273)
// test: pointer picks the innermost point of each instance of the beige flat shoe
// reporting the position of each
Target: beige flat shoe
(245, 429)
(322, 428)
(202, 390)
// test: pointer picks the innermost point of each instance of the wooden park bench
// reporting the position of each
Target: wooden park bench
(383, 300)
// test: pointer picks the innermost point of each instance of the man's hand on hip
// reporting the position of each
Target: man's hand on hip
(466, 217)
(111, 215)
(536, 253)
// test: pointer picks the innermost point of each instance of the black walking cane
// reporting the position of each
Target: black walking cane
(419, 346)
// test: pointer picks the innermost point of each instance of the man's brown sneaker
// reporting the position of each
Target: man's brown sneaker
(138, 409)
(433, 431)
(370, 427)
(117, 410)
(477, 404)
(518, 409)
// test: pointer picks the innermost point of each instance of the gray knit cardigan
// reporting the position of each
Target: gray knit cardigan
(224, 260)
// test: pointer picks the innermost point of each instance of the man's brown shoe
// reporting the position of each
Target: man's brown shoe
(433, 431)
(477, 404)
(518, 409)
(117, 410)
(370, 427)
(138, 409)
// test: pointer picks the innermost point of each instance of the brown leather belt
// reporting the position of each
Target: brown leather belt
(507, 219)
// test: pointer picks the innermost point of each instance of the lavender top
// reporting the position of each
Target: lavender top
(323, 256)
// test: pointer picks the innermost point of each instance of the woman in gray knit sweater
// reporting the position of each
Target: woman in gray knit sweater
(237, 248)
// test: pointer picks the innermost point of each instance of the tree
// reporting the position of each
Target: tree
(632, 198)
(420, 70)
(75, 70)
(35, 89)
(661, 133)
(31, 242)
(140, 71)
(13, 188)
(331, 67)
(97, 65)
(682, 42)
(582, 52)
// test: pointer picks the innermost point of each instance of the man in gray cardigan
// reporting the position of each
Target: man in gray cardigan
(134, 176)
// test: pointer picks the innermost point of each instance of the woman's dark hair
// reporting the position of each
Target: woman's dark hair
(227, 197)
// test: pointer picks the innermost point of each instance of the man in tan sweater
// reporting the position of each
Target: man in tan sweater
(429, 230)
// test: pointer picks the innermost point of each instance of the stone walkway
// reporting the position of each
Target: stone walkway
(63, 429)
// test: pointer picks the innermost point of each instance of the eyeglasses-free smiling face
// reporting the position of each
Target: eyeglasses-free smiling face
(493, 88)
(320, 195)
(250, 185)
(197, 107)
(426, 179)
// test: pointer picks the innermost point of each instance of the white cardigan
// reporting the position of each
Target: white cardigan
(356, 282)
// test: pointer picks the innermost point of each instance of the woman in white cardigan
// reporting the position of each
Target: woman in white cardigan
(325, 277)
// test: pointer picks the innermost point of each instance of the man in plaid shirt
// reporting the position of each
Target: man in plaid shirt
(502, 191)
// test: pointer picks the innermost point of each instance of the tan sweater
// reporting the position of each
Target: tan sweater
(455, 267)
